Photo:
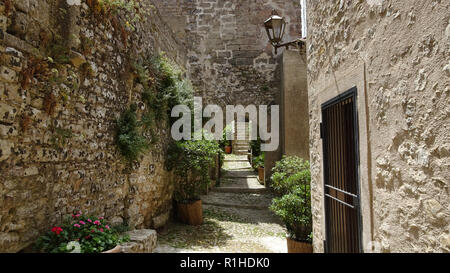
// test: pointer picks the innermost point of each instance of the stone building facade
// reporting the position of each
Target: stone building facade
(230, 59)
(396, 53)
(57, 126)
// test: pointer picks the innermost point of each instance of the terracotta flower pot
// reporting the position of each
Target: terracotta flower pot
(228, 149)
(261, 175)
(117, 249)
(298, 247)
(190, 213)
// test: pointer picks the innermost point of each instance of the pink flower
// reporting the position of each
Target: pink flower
(83, 223)
(76, 225)
(107, 227)
(92, 231)
(97, 222)
(89, 220)
(101, 230)
(101, 218)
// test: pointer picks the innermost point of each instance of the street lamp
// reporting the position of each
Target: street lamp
(275, 28)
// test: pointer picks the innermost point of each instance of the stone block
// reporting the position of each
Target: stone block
(3, 22)
(19, 25)
(6, 130)
(7, 74)
(7, 113)
(22, 5)
(161, 220)
(141, 241)
(5, 149)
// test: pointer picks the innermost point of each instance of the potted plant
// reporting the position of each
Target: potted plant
(81, 234)
(258, 165)
(225, 144)
(191, 162)
(255, 147)
(291, 182)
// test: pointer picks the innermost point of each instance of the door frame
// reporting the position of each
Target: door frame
(351, 93)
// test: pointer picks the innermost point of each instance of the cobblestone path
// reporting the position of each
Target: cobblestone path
(236, 218)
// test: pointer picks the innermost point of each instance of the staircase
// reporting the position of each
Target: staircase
(239, 187)
(241, 144)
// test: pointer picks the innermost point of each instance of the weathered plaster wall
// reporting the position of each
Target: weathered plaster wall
(229, 56)
(401, 50)
(294, 105)
(45, 173)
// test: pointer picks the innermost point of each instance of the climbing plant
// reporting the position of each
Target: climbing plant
(129, 137)
(163, 88)
(122, 14)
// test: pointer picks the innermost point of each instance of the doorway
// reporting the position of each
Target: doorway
(339, 132)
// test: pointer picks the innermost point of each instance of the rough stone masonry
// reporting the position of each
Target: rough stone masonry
(57, 151)
(230, 59)
(401, 49)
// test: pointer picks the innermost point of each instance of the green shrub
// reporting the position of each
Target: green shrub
(129, 139)
(291, 180)
(224, 142)
(288, 173)
(91, 234)
(256, 147)
(164, 87)
(258, 161)
(191, 162)
(294, 209)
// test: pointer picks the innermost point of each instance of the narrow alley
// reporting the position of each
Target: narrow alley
(236, 218)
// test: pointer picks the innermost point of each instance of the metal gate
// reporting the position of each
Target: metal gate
(339, 131)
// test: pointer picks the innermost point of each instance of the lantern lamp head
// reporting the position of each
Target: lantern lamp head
(275, 27)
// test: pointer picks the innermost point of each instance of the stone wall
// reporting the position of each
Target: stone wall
(57, 117)
(229, 57)
(399, 52)
(294, 105)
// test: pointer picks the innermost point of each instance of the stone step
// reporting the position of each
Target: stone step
(141, 241)
(238, 200)
(241, 173)
(236, 160)
(241, 144)
(241, 152)
(250, 215)
(242, 147)
(240, 185)
(239, 190)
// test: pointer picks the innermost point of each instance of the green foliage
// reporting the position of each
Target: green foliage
(164, 87)
(289, 172)
(59, 52)
(291, 179)
(129, 139)
(224, 142)
(60, 137)
(294, 209)
(258, 162)
(256, 146)
(191, 162)
(130, 9)
(91, 233)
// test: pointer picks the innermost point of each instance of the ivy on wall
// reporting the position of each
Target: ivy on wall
(163, 88)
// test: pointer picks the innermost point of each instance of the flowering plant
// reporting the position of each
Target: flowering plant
(80, 233)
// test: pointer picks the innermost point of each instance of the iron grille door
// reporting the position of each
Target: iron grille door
(341, 186)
